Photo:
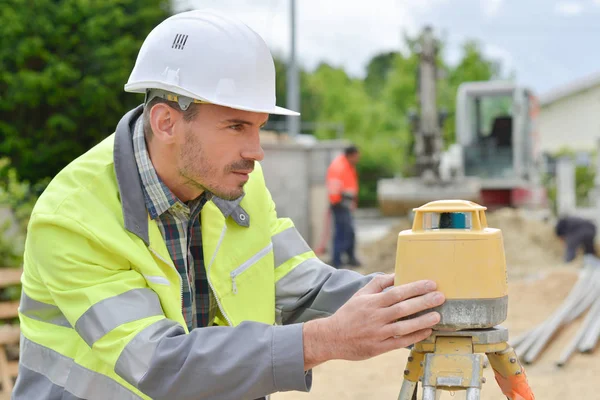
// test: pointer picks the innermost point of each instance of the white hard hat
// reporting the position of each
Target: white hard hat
(207, 57)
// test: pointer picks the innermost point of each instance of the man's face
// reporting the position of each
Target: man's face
(217, 150)
(353, 158)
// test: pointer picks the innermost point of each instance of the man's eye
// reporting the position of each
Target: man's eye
(236, 127)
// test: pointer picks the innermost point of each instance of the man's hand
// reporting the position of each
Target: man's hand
(367, 325)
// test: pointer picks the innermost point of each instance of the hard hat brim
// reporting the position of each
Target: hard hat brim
(284, 111)
(141, 87)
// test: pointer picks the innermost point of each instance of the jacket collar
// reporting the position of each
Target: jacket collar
(135, 214)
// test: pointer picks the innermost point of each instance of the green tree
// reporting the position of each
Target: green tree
(62, 70)
(377, 72)
(309, 105)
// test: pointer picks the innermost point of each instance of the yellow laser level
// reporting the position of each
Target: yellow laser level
(451, 244)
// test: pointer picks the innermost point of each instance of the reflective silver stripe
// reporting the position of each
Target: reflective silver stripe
(64, 372)
(110, 313)
(252, 260)
(159, 280)
(247, 264)
(308, 275)
(135, 358)
(288, 244)
(313, 289)
(42, 311)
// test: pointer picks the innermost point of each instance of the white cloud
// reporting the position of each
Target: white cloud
(491, 8)
(498, 53)
(596, 2)
(569, 8)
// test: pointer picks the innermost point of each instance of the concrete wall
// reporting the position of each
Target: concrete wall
(295, 175)
(572, 121)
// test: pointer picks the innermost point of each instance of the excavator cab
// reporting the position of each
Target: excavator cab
(495, 127)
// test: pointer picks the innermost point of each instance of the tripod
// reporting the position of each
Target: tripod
(455, 361)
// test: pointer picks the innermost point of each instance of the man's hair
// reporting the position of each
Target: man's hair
(188, 115)
(352, 149)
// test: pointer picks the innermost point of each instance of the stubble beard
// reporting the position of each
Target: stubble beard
(198, 173)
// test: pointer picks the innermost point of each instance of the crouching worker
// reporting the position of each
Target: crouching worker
(576, 233)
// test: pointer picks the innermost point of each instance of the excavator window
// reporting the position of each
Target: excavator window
(489, 153)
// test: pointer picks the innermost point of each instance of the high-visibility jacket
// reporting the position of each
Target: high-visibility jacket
(342, 181)
(101, 313)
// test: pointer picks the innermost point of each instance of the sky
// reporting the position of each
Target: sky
(545, 43)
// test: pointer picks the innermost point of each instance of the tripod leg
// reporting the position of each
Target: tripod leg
(411, 375)
(473, 393)
(408, 390)
(428, 393)
(510, 375)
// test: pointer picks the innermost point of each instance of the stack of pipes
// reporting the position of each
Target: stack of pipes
(584, 296)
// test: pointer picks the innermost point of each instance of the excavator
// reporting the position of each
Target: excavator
(495, 159)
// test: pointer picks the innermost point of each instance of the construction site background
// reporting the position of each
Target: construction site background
(376, 111)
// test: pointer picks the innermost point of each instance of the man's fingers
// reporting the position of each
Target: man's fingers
(403, 292)
(409, 326)
(399, 342)
(377, 284)
(412, 306)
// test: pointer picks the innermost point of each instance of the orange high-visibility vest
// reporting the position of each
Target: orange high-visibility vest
(342, 180)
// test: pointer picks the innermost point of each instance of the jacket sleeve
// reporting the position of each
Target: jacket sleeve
(121, 320)
(306, 288)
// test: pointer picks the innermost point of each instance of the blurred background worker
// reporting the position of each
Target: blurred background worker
(576, 232)
(342, 185)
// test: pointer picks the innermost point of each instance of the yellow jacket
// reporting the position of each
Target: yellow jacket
(101, 310)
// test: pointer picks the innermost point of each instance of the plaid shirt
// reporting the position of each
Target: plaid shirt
(180, 226)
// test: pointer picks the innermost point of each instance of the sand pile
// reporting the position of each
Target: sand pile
(529, 244)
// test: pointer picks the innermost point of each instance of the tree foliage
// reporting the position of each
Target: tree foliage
(63, 65)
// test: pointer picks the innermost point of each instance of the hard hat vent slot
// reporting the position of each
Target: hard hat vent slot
(179, 41)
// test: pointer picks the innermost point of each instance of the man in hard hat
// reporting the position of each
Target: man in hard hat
(576, 233)
(156, 266)
(342, 188)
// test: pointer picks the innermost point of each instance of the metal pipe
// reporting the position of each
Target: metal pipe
(293, 92)
(566, 354)
(526, 341)
(590, 339)
(555, 321)
(582, 307)
(519, 339)
(407, 391)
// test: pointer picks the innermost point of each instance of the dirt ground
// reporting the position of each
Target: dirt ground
(538, 283)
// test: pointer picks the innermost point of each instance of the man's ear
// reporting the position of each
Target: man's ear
(162, 120)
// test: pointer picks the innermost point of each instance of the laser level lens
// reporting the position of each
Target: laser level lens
(446, 220)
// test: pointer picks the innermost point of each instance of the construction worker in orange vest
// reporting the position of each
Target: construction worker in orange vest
(342, 186)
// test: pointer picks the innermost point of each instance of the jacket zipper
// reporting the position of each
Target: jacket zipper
(208, 275)
(247, 264)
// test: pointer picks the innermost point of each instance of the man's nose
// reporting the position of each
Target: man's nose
(254, 150)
